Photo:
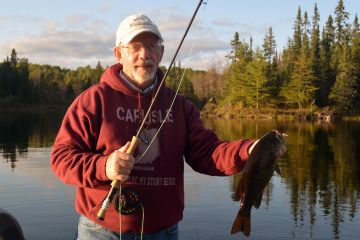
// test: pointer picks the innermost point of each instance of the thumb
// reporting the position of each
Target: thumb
(125, 147)
(252, 146)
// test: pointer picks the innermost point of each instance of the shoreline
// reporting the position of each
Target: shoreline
(236, 111)
(229, 111)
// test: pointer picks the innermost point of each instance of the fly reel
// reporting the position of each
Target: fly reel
(129, 202)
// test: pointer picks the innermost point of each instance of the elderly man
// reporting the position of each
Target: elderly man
(90, 148)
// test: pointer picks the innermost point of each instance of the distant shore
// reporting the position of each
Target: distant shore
(236, 111)
(23, 107)
(212, 110)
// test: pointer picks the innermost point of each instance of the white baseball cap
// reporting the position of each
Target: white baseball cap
(132, 26)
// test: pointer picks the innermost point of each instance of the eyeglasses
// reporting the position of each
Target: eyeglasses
(136, 47)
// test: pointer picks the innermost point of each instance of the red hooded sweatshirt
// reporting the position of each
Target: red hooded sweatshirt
(104, 118)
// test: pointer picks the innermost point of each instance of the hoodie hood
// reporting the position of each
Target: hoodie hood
(112, 77)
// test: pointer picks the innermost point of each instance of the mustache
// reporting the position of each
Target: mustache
(146, 63)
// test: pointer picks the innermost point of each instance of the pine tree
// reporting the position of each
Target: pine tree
(23, 82)
(297, 41)
(234, 47)
(99, 70)
(13, 58)
(344, 90)
(341, 17)
(269, 50)
(234, 76)
(315, 53)
(341, 22)
(269, 45)
(355, 59)
(300, 91)
(256, 91)
(327, 70)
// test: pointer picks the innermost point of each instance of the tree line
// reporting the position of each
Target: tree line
(319, 66)
(23, 82)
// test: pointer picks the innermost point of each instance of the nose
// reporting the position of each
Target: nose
(144, 52)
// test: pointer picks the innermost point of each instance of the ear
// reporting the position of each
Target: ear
(117, 54)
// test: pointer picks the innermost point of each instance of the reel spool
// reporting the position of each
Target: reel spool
(129, 202)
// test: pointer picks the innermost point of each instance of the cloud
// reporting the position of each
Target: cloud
(76, 19)
(81, 40)
(55, 46)
(78, 40)
(200, 49)
(207, 60)
(19, 19)
(223, 22)
(106, 5)
(173, 23)
(66, 42)
(3, 19)
(200, 40)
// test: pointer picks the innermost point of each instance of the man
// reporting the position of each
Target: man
(90, 148)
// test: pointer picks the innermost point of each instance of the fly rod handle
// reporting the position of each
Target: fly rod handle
(131, 150)
(114, 184)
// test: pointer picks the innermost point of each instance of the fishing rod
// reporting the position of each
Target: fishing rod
(136, 139)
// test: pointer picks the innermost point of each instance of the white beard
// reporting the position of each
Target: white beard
(144, 77)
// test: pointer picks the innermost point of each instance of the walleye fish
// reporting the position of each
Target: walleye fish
(256, 174)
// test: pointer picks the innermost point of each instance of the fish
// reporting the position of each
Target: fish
(255, 176)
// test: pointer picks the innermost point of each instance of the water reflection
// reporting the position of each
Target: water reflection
(321, 169)
(21, 130)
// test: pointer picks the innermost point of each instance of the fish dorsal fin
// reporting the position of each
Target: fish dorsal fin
(277, 169)
(257, 202)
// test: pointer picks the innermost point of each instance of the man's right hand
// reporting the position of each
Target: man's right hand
(119, 164)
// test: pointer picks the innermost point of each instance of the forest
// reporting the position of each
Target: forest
(319, 67)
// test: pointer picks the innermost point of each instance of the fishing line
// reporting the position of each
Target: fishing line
(120, 211)
(173, 101)
(142, 219)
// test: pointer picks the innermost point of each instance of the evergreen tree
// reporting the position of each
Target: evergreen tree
(355, 54)
(306, 26)
(234, 77)
(300, 91)
(13, 58)
(13, 75)
(269, 50)
(341, 17)
(297, 41)
(98, 71)
(256, 91)
(327, 70)
(344, 91)
(269, 45)
(234, 47)
(315, 54)
(23, 88)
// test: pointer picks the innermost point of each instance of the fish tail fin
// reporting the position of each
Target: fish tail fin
(242, 223)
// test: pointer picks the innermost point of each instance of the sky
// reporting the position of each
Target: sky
(76, 33)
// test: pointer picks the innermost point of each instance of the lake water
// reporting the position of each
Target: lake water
(316, 197)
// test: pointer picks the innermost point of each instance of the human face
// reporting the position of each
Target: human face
(140, 58)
